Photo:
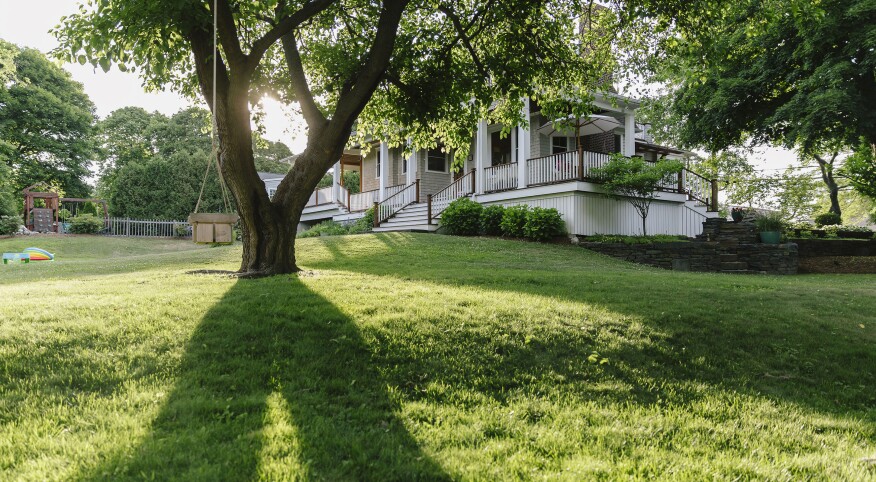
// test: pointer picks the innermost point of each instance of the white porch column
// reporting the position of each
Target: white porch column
(336, 182)
(630, 135)
(482, 151)
(383, 159)
(523, 146)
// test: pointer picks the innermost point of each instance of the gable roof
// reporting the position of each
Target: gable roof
(270, 176)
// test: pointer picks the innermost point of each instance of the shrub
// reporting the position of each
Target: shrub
(64, 214)
(183, 230)
(462, 217)
(491, 220)
(834, 230)
(514, 221)
(364, 224)
(9, 224)
(828, 219)
(325, 228)
(767, 222)
(543, 224)
(86, 224)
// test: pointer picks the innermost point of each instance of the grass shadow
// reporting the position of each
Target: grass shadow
(275, 383)
(766, 336)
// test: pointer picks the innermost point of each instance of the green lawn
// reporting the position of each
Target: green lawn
(401, 357)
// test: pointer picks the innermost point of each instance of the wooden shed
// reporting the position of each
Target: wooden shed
(212, 227)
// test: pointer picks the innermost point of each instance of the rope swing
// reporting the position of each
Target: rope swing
(213, 227)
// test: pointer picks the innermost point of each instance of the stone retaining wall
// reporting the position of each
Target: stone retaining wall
(706, 256)
(723, 247)
(813, 248)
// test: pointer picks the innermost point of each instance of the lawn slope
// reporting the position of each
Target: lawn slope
(403, 356)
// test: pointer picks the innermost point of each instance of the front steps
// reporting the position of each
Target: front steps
(411, 218)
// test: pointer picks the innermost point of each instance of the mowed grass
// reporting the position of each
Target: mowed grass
(405, 357)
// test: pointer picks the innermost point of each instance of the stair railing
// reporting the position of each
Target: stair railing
(390, 206)
(699, 188)
(438, 202)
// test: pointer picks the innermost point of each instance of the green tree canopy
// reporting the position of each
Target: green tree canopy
(46, 122)
(792, 72)
(860, 170)
(403, 70)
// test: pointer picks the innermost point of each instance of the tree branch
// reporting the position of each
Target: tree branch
(202, 48)
(312, 115)
(460, 30)
(228, 36)
(285, 26)
(351, 103)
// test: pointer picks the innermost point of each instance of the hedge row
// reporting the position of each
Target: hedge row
(465, 217)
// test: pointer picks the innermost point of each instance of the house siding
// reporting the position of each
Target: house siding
(588, 214)
(430, 182)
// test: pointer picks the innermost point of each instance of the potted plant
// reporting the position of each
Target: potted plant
(737, 214)
(769, 225)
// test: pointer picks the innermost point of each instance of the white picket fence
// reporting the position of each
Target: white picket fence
(147, 228)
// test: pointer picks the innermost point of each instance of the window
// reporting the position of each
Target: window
(617, 143)
(559, 145)
(436, 161)
(405, 165)
(377, 169)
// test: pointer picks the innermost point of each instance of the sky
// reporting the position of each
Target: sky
(27, 23)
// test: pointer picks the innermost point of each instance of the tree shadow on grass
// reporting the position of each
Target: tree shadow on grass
(750, 335)
(275, 383)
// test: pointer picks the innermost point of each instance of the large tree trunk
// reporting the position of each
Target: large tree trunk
(269, 226)
(267, 229)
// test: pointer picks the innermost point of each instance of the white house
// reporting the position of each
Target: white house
(538, 165)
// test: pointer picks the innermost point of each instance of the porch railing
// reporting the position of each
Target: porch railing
(569, 166)
(390, 206)
(500, 178)
(550, 169)
(361, 201)
(438, 202)
(343, 197)
(320, 197)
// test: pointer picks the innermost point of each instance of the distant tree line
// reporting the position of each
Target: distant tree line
(145, 164)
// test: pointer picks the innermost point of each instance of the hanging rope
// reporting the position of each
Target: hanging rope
(214, 154)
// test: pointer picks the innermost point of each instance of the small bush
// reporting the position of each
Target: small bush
(543, 224)
(462, 217)
(828, 219)
(514, 221)
(364, 224)
(9, 224)
(183, 230)
(325, 228)
(769, 222)
(86, 224)
(491, 220)
(331, 228)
